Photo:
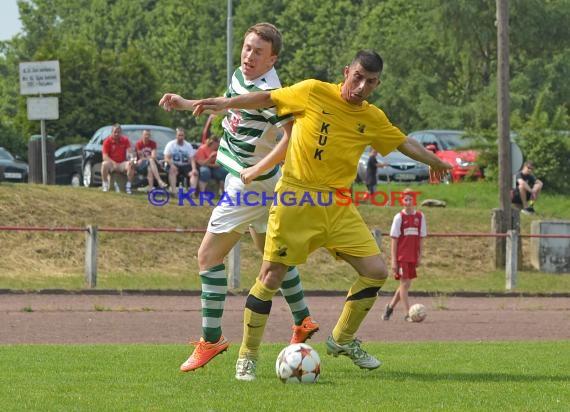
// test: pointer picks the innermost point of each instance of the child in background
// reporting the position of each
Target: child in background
(408, 230)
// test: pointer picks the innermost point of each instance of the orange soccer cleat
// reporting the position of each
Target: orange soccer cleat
(303, 332)
(203, 353)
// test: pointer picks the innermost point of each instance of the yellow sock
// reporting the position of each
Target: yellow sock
(359, 301)
(255, 315)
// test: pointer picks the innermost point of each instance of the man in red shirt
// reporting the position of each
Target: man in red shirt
(407, 232)
(146, 163)
(116, 148)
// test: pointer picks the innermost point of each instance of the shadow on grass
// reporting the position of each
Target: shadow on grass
(471, 377)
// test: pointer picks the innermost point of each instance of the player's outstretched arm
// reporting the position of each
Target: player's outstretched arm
(174, 101)
(255, 100)
(412, 148)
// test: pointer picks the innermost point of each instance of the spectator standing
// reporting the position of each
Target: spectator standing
(527, 189)
(407, 233)
(179, 156)
(372, 166)
(146, 163)
(209, 169)
(116, 155)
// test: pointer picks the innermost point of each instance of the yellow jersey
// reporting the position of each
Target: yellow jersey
(330, 134)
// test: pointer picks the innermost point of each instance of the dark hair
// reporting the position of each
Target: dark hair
(267, 32)
(369, 60)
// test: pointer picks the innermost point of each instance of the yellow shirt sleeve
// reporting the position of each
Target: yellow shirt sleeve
(330, 134)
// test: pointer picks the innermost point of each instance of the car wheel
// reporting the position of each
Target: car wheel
(88, 175)
(75, 180)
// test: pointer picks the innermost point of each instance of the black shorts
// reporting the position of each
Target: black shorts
(183, 170)
(142, 167)
(516, 197)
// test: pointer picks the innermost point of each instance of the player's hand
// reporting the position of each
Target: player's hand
(439, 169)
(170, 101)
(248, 174)
(214, 104)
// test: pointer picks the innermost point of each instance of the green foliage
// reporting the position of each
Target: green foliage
(118, 56)
(550, 156)
(544, 139)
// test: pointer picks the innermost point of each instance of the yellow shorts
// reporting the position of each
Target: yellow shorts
(303, 220)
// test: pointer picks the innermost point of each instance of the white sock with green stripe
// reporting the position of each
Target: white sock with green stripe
(214, 289)
(292, 290)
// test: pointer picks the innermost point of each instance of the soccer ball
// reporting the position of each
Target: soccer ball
(298, 363)
(417, 312)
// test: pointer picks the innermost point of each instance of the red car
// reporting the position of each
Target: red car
(451, 146)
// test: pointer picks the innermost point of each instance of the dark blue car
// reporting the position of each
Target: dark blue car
(12, 169)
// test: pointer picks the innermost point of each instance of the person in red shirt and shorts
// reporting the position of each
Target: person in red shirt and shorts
(146, 163)
(407, 232)
(116, 148)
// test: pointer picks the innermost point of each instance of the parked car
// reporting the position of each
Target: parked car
(93, 156)
(12, 168)
(401, 168)
(68, 165)
(451, 146)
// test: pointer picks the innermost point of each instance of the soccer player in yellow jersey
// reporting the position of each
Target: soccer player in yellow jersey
(332, 127)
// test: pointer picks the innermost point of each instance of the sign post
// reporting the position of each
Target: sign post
(41, 78)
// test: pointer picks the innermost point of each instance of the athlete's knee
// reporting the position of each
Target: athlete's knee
(271, 274)
(379, 272)
(207, 257)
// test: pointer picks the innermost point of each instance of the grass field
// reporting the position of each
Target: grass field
(47, 260)
(491, 376)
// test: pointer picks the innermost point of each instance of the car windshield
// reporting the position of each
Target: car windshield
(451, 141)
(5, 155)
(61, 151)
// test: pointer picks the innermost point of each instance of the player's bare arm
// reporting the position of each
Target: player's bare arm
(255, 100)
(412, 148)
(276, 155)
(172, 101)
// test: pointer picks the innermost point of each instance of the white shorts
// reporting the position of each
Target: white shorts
(239, 216)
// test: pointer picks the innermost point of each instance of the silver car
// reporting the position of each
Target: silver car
(400, 168)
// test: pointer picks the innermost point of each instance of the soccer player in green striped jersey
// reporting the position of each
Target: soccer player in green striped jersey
(249, 135)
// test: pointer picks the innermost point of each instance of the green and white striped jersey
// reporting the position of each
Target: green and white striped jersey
(249, 135)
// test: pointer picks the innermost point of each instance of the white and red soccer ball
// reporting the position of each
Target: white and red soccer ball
(298, 363)
(417, 312)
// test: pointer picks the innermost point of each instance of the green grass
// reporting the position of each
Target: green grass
(451, 376)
